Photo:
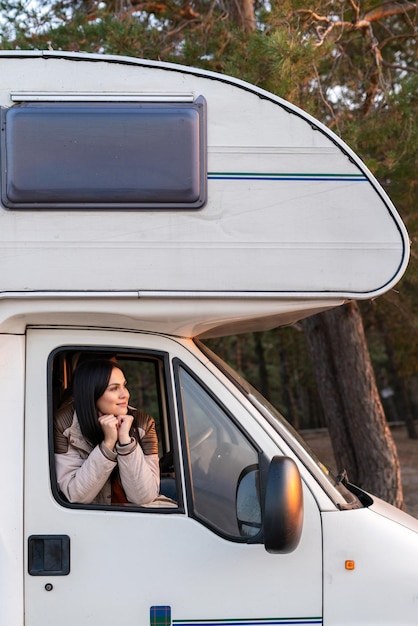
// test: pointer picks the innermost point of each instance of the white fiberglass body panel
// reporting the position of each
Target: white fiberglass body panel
(380, 586)
(290, 212)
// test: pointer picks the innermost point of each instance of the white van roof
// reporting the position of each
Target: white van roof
(251, 215)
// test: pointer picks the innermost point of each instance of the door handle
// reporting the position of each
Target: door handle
(49, 555)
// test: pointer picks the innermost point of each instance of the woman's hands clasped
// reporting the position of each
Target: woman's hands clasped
(115, 429)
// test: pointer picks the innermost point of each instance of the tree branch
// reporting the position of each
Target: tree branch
(385, 10)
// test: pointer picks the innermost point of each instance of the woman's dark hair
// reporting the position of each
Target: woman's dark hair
(91, 379)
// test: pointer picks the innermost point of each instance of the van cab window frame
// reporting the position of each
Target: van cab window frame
(169, 432)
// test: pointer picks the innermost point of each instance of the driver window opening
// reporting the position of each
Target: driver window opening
(223, 464)
(90, 466)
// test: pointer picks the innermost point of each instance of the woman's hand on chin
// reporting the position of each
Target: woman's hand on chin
(109, 426)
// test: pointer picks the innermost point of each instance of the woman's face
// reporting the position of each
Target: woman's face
(114, 401)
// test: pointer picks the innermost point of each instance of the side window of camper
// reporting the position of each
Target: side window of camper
(84, 470)
(223, 463)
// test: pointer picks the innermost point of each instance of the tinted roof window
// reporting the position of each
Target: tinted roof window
(104, 155)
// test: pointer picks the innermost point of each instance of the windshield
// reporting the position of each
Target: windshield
(340, 494)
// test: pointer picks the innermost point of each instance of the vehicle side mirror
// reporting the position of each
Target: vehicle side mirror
(283, 506)
(248, 502)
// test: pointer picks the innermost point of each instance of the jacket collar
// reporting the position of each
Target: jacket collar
(76, 437)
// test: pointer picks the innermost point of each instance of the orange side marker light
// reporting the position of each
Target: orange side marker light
(350, 565)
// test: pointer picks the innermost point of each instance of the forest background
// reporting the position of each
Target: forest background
(354, 66)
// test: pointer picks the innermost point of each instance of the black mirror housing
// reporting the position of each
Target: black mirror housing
(283, 506)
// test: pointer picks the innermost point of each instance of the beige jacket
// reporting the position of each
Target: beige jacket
(83, 471)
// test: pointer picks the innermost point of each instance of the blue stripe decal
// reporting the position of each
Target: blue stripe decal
(356, 178)
(250, 622)
(160, 615)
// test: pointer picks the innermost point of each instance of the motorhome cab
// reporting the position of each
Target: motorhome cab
(144, 206)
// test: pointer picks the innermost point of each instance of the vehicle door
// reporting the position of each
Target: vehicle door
(187, 558)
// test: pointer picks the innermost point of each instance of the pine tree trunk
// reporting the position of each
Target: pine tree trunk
(289, 399)
(261, 365)
(361, 439)
(242, 13)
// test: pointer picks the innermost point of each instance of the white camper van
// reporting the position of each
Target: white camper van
(145, 205)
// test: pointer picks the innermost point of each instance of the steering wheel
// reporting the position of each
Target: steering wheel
(200, 437)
